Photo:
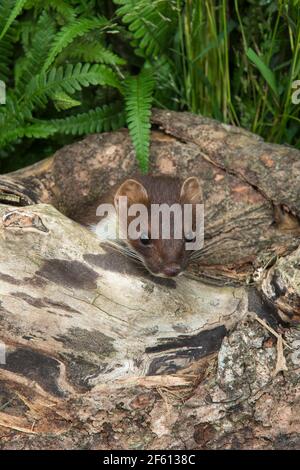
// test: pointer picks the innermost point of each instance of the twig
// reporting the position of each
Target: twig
(271, 330)
(281, 362)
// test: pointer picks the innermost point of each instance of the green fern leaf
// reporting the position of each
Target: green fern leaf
(151, 23)
(62, 7)
(12, 134)
(14, 12)
(91, 52)
(6, 54)
(68, 80)
(39, 130)
(62, 101)
(12, 122)
(59, 6)
(33, 61)
(11, 114)
(109, 117)
(68, 33)
(6, 43)
(36, 131)
(138, 101)
(6, 7)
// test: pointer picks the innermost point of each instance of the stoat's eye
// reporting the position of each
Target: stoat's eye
(190, 237)
(145, 240)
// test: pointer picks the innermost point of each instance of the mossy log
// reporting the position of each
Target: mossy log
(96, 353)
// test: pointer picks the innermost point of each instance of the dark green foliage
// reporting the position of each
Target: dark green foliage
(108, 117)
(138, 100)
(56, 52)
(75, 67)
(152, 24)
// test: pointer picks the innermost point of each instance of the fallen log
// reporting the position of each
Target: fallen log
(96, 353)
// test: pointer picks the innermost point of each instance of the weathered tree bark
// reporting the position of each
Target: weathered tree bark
(98, 354)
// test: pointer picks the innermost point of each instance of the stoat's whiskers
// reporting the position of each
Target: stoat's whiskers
(196, 255)
(123, 249)
(106, 232)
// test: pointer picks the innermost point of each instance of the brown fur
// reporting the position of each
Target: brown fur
(166, 258)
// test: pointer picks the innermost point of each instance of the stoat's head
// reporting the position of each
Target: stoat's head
(163, 257)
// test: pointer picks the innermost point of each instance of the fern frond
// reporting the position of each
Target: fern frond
(108, 117)
(11, 104)
(6, 7)
(36, 131)
(68, 80)
(6, 45)
(62, 101)
(33, 61)
(6, 54)
(138, 101)
(25, 30)
(12, 121)
(17, 7)
(11, 112)
(91, 52)
(64, 9)
(12, 134)
(68, 33)
(39, 130)
(151, 23)
(17, 129)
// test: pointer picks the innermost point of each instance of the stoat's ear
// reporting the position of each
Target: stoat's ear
(191, 192)
(135, 192)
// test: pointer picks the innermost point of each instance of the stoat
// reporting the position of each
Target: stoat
(161, 257)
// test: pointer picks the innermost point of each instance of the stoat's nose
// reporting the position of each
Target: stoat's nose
(171, 270)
